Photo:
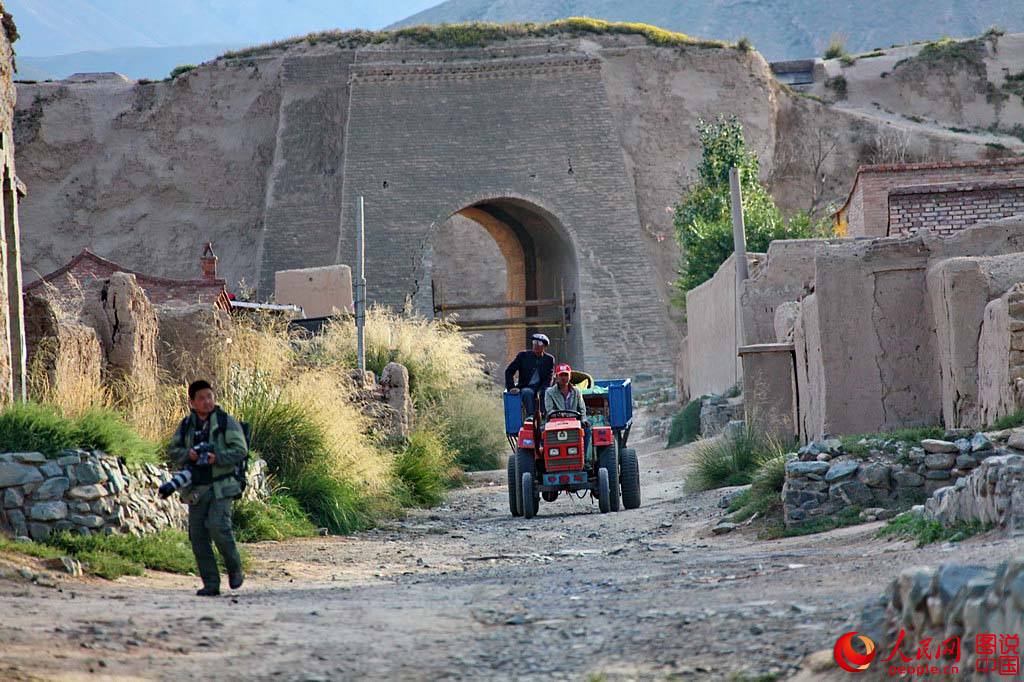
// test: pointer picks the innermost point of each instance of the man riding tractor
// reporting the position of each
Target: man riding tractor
(530, 372)
(564, 397)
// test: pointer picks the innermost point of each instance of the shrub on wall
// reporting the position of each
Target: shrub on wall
(703, 218)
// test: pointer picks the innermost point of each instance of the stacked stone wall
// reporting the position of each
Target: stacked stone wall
(92, 492)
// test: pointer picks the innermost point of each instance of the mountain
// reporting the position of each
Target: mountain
(91, 35)
(779, 29)
(134, 62)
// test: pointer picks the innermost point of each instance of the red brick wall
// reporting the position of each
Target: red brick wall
(869, 203)
(949, 211)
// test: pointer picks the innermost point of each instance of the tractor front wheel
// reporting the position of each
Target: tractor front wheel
(513, 490)
(630, 477)
(529, 501)
(603, 491)
(549, 495)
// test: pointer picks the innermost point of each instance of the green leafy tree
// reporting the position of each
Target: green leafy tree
(703, 218)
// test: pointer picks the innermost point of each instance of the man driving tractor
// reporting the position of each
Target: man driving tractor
(533, 368)
(564, 396)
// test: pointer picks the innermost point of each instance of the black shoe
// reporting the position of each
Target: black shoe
(235, 580)
(209, 592)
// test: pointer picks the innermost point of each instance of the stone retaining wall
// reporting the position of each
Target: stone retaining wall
(91, 492)
(822, 480)
(992, 494)
(945, 606)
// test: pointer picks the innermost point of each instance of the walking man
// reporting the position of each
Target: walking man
(219, 438)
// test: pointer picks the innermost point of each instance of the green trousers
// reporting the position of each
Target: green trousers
(210, 518)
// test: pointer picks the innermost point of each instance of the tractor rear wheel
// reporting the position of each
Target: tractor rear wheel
(630, 477)
(603, 491)
(524, 464)
(606, 459)
(513, 497)
(529, 500)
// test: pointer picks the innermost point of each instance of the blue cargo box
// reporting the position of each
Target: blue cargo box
(620, 401)
(513, 413)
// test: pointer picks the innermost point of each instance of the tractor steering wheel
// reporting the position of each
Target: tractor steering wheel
(564, 413)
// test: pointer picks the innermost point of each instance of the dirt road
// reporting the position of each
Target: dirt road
(467, 592)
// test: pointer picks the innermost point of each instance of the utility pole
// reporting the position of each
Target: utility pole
(361, 288)
(739, 241)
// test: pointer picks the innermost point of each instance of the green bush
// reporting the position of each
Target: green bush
(763, 497)
(164, 551)
(278, 518)
(106, 430)
(424, 467)
(703, 219)
(730, 459)
(180, 69)
(331, 500)
(926, 531)
(686, 425)
(1008, 421)
(836, 47)
(285, 433)
(31, 427)
(474, 428)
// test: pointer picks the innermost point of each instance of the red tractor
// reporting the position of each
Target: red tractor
(550, 457)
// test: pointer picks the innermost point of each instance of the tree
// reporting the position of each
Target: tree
(703, 218)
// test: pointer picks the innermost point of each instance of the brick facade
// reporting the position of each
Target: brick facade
(944, 197)
(87, 268)
(946, 209)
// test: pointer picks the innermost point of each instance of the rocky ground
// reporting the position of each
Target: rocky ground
(467, 592)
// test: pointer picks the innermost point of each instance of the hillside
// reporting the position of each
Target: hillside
(780, 29)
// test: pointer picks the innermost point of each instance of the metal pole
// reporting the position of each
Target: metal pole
(739, 240)
(361, 288)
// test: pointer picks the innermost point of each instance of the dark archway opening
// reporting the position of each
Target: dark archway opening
(495, 252)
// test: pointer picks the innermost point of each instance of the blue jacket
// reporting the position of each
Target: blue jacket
(524, 364)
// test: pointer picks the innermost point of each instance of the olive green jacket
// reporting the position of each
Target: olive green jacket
(554, 400)
(228, 442)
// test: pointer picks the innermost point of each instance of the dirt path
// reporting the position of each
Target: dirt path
(467, 592)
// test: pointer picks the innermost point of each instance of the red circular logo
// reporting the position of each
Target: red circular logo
(848, 658)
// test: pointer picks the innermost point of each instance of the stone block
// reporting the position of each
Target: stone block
(841, 469)
(966, 462)
(874, 475)
(80, 507)
(12, 498)
(980, 443)
(51, 469)
(938, 475)
(38, 531)
(908, 479)
(87, 492)
(16, 518)
(48, 511)
(797, 468)
(932, 445)
(1016, 439)
(14, 473)
(52, 489)
(88, 520)
(943, 460)
(69, 459)
(29, 457)
(852, 493)
(88, 473)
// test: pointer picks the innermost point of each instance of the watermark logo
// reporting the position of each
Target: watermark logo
(848, 658)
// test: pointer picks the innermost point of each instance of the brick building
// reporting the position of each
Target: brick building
(87, 267)
(901, 199)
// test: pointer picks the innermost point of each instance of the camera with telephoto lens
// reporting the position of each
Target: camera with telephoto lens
(184, 477)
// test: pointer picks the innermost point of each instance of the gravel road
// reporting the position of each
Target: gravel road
(466, 592)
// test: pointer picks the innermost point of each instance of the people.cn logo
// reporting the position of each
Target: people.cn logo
(848, 658)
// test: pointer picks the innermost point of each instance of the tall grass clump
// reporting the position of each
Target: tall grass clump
(278, 518)
(686, 425)
(424, 467)
(474, 428)
(764, 496)
(31, 427)
(836, 47)
(731, 459)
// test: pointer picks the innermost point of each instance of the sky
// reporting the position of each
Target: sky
(57, 27)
